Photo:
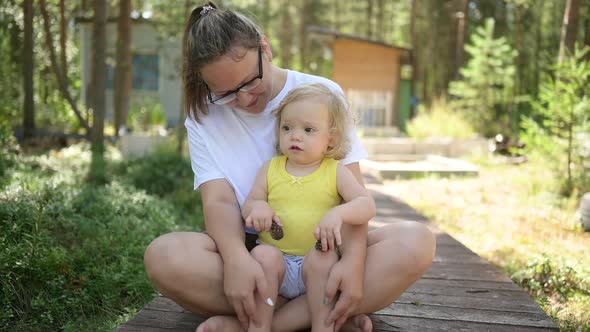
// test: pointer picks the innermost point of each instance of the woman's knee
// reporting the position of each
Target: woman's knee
(270, 258)
(166, 255)
(415, 238)
(319, 262)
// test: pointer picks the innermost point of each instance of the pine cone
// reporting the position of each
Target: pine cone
(276, 231)
(318, 245)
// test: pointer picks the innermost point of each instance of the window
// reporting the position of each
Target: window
(145, 74)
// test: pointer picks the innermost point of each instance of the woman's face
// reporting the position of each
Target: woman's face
(239, 68)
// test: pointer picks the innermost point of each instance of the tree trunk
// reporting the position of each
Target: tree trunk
(99, 71)
(518, 48)
(28, 66)
(266, 16)
(538, 47)
(369, 19)
(180, 131)
(305, 16)
(413, 60)
(569, 28)
(286, 35)
(337, 15)
(462, 30)
(380, 29)
(61, 76)
(587, 39)
(63, 36)
(123, 67)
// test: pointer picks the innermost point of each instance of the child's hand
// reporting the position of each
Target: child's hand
(261, 217)
(328, 231)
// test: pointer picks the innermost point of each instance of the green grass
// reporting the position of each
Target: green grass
(511, 216)
(71, 253)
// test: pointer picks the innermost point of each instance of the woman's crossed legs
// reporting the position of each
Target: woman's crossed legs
(187, 268)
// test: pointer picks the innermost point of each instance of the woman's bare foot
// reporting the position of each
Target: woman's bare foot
(358, 323)
(220, 323)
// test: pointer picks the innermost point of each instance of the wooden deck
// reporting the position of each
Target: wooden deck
(460, 292)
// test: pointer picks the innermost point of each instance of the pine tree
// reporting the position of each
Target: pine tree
(485, 92)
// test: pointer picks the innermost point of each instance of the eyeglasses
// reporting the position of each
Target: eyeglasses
(248, 86)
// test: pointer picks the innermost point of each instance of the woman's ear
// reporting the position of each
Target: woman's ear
(266, 50)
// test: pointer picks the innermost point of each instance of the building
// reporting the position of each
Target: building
(157, 83)
(370, 73)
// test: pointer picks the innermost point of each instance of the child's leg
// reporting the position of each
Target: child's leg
(316, 269)
(292, 316)
(273, 264)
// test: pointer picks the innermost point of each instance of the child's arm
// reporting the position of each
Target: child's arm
(357, 209)
(256, 211)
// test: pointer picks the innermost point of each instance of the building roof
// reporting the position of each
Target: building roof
(316, 30)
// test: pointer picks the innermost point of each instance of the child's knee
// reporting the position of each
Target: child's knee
(319, 262)
(269, 257)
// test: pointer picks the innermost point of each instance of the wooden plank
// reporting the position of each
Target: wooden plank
(458, 255)
(445, 239)
(391, 323)
(454, 271)
(164, 320)
(473, 292)
(472, 284)
(515, 303)
(164, 304)
(468, 315)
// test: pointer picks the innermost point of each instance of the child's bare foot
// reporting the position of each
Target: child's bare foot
(358, 323)
(220, 323)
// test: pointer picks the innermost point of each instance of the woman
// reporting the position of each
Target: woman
(231, 87)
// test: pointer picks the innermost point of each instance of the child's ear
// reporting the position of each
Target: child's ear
(332, 141)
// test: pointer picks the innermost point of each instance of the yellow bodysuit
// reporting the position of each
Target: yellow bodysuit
(300, 203)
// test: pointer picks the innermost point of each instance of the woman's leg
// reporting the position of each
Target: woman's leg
(316, 269)
(272, 262)
(187, 268)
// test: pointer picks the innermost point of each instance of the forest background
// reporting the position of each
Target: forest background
(68, 260)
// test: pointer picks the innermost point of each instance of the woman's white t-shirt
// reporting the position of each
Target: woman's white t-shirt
(231, 144)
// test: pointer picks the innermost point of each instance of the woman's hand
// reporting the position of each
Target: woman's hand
(348, 279)
(242, 277)
(261, 217)
(328, 231)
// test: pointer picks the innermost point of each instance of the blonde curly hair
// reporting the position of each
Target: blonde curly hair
(340, 117)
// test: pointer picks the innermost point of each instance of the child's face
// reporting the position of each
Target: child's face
(304, 134)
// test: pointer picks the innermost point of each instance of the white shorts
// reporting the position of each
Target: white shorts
(292, 285)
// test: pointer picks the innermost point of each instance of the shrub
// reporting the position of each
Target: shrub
(7, 143)
(559, 126)
(166, 174)
(439, 121)
(542, 277)
(71, 254)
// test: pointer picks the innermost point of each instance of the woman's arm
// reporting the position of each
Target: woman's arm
(222, 217)
(242, 274)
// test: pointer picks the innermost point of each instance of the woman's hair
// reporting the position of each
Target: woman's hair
(340, 118)
(211, 33)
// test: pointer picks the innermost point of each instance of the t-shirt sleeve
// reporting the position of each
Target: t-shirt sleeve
(202, 162)
(357, 149)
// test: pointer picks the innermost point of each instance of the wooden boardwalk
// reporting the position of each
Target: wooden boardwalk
(460, 292)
